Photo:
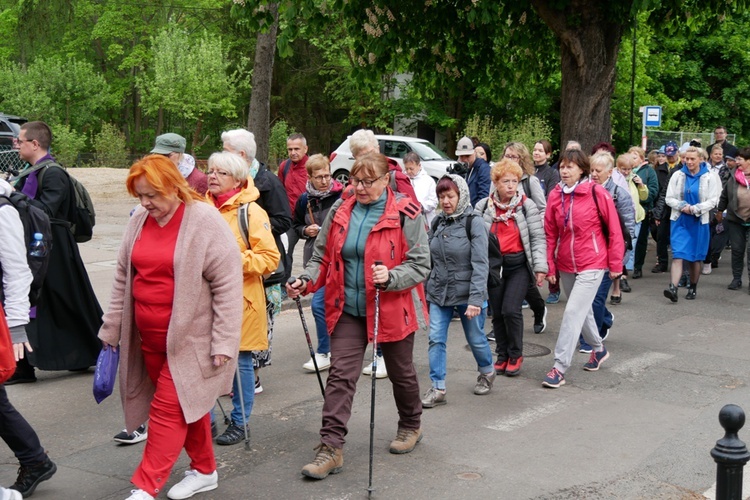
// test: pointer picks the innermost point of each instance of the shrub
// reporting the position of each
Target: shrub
(277, 143)
(110, 148)
(66, 145)
(529, 130)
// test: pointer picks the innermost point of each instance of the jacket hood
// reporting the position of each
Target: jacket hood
(5, 188)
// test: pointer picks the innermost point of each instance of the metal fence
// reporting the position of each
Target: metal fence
(9, 160)
(658, 138)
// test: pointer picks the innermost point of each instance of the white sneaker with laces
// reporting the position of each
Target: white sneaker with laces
(324, 362)
(380, 373)
(194, 482)
(139, 495)
(138, 435)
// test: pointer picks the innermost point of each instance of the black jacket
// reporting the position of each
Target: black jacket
(548, 177)
(273, 200)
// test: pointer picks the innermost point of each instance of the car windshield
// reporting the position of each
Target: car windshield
(427, 151)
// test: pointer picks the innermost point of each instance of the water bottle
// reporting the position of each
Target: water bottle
(38, 248)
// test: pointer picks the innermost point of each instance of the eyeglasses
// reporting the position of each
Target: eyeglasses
(365, 182)
(16, 140)
(321, 178)
(218, 173)
(512, 157)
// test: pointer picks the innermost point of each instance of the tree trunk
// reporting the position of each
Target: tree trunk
(259, 114)
(589, 38)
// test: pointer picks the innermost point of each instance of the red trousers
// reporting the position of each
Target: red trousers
(168, 433)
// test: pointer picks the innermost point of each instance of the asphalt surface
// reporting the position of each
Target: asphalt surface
(641, 427)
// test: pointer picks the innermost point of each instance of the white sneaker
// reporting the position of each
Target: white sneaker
(324, 362)
(706, 268)
(194, 482)
(381, 373)
(139, 495)
(138, 435)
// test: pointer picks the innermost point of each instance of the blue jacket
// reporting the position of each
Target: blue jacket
(479, 181)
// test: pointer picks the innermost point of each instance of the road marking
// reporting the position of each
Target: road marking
(636, 366)
(527, 417)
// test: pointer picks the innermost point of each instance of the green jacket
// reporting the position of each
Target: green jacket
(651, 180)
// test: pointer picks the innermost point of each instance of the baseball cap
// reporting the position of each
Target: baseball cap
(169, 143)
(464, 147)
(670, 149)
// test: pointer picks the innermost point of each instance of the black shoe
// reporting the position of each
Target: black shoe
(491, 336)
(138, 435)
(734, 285)
(233, 435)
(615, 299)
(21, 378)
(637, 274)
(671, 293)
(29, 476)
(690, 293)
(658, 268)
(683, 281)
(624, 287)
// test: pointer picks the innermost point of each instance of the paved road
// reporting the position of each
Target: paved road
(641, 427)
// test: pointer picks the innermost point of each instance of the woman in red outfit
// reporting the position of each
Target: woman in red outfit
(176, 359)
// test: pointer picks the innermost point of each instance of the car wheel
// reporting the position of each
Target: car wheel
(342, 176)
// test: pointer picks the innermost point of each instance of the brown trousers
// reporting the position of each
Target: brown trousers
(348, 344)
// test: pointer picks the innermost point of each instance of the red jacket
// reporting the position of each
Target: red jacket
(403, 183)
(295, 181)
(385, 242)
(581, 245)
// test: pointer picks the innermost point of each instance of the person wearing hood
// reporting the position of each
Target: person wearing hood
(309, 213)
(584, 240)
(230, 187)
(457, 282)
(173, 147)
(692, 193)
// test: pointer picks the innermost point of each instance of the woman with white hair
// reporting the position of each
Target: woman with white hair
(274, 201)
(230, 188)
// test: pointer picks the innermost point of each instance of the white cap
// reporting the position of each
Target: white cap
(464, 147)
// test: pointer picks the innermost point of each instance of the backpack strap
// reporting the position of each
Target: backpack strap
(242, 214)
(526, 184)
(605, 227)
(287, 166)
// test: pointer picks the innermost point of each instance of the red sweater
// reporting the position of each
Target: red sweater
(153, 283)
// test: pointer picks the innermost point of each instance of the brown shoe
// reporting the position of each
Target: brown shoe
(328, 460)
(406, 440)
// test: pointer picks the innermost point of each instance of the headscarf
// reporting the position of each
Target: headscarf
(506, 211)
(463, 196)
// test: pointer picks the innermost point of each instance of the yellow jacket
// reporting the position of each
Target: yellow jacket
(261, 258)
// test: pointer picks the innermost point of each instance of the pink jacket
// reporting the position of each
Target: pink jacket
(580, 245)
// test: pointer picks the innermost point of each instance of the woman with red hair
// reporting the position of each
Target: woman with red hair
(175, 358)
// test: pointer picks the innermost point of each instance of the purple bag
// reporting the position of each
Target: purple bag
(106, 372)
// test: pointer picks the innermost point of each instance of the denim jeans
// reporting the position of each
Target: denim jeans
(440, 319)
(247, 376)
(318, 306)
(630, 258)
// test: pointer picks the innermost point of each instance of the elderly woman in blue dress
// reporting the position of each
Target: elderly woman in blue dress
(691, 194)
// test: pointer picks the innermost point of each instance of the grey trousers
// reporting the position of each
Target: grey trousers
(578, 317)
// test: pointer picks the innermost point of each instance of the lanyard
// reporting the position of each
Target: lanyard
(566, 215)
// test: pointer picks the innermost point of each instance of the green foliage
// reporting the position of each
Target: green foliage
(277, 143)
(67, 144)
(528, 130)
(110, 147)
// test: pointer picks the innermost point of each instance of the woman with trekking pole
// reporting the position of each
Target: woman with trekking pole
(232, 191)
(368, 224)
(175, 314)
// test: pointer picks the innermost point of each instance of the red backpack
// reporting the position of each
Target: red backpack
(7, 358)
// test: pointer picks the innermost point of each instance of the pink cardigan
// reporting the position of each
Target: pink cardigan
(206, 316)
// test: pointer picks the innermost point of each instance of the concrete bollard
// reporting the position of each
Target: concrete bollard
(730, 454)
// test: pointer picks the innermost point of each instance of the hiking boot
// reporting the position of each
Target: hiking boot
(553, 298)
(484, 383)
(138, 435)
(233, 435)
(328, 460)
(671, 293)
(540, 324)
(433, 397)
(554, 379)
(514, 366)
(29, 476)
(194, 482)
(500, 366)
(736, 284)
(624, 286)
(323, 360)
(596, 359)
(406, 440)
(637, 273)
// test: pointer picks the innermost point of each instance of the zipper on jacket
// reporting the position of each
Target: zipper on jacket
(393, 251)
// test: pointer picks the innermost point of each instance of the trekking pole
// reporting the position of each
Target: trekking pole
(376, 325)
(227, 420)
(242, 405)
(307, 336)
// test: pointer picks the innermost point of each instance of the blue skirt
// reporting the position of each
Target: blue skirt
(689, 238)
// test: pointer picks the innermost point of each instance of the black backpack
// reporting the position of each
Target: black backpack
(494, 254)
(82, 214)
(34, 220)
